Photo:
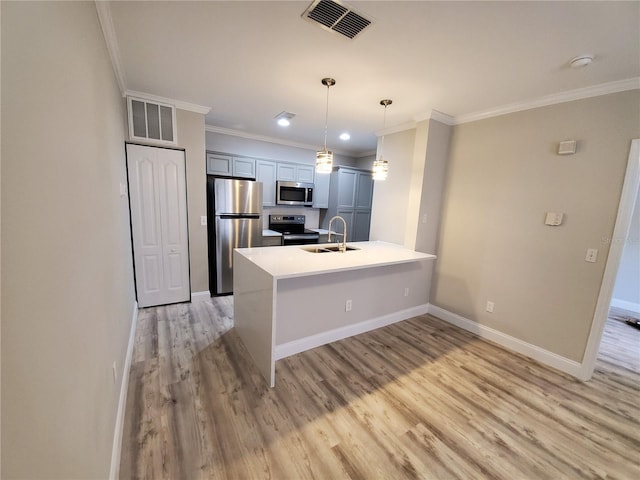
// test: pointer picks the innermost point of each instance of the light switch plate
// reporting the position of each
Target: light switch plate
(592, 255)
(203, 220)
(123, 189)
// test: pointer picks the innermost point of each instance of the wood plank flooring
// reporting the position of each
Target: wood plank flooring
(418, 399)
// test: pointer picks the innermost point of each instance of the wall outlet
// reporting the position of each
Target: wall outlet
(406, 291)
(347, 306)
(115, 372)
(592, 255)
(490, 306)
(203, 220)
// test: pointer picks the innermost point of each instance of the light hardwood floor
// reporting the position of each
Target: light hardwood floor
(418, 399)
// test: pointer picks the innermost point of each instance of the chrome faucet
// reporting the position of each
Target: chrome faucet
(343, 247)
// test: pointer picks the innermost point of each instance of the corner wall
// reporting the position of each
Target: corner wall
(191, 137)
(391, 199)
(504, 174)
(67, 280)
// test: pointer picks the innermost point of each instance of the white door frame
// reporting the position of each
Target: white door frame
(620, 234)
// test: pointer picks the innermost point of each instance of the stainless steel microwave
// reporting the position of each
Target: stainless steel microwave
(294, 193)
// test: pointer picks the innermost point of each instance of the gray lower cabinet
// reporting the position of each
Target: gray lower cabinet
(272, 241)
(350, 196)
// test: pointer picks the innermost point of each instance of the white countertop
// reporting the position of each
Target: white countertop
(321, 231)
(292, 261)
(271, 233)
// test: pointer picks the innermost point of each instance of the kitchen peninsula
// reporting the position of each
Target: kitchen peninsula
(290, 299)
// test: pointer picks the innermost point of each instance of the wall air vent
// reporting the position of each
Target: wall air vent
(150, 121)
(336, 17)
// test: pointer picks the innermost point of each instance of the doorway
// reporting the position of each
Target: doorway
(621, 232)
(159, 232)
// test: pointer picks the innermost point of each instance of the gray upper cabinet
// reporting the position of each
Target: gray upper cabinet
(321, 191)
(364, 190)
(346, 188)
(244, 167)
(230, 166)
(266, 173)
(350, 196)
(294, 172)
(305, 173)
(219, 164)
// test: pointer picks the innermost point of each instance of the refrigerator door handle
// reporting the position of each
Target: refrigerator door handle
(239, 215)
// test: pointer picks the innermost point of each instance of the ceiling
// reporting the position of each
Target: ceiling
(249, 61)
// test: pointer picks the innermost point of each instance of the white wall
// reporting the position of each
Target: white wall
(626, 293)
(67, 280)
(504, 174)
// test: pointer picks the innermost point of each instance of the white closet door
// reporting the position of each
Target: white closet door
(158, 203)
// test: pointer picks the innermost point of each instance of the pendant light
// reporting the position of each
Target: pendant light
(324, 158)
(381, 166)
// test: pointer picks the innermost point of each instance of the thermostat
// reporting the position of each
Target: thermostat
(554, 219)
(568, 147)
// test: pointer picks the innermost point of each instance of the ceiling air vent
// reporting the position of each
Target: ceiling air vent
(336, 17)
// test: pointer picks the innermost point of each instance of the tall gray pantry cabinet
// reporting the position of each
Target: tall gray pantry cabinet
(350, 196)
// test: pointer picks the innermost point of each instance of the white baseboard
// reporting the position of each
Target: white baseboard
(532, 351)
(296, 346)
(200, 296)
(633, 307)
(116, 449)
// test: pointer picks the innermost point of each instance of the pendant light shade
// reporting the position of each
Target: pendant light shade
(380, 169)
(324, 158)
(380, 165)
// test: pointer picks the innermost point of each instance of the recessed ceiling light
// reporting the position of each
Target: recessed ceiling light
(345, 136)
(284, 118)
(581, 61)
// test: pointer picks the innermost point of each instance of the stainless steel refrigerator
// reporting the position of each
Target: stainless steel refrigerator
(237, 206)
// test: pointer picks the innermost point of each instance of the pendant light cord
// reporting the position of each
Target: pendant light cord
(326, 119)
(384, 125)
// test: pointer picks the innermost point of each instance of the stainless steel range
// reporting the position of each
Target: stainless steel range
(292, 229)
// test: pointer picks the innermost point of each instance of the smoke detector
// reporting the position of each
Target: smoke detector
(336, 17)
(581, 61)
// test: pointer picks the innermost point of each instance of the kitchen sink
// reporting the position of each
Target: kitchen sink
(327, 249)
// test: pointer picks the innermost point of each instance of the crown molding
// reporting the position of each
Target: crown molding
(441, 117)
(264, 138)
(553, 99)
(109, 33)
(191, 107)
(437, 116)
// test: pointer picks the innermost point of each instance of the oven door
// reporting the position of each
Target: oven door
(299, 239)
